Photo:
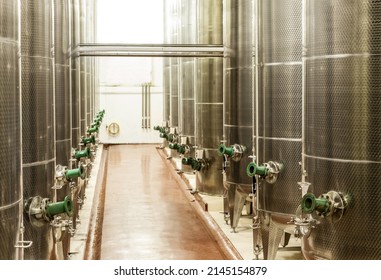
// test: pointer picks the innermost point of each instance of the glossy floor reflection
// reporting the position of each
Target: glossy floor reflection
(147, 217)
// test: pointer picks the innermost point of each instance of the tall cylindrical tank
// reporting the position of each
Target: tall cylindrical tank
(62, 81)
(174, 68)
(75, 75)
(166, 62)
(187, 73)
(63, 105)
(209, 98)
(83, 70)
(342, 124)
(279, 115)
(238, 102)
(10, 139)
(38, 125)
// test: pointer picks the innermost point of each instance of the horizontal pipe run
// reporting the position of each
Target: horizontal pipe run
(150, 50)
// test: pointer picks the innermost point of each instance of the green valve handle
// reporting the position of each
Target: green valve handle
(223, 150)
(75, 173)
(186, 161)
(181, 149)
(82, 153)
(61, 207)
(310, 204)
(88, 140)
(163, 135)
(92, 129)
(252, 169)
(173, 146)
(194, 163)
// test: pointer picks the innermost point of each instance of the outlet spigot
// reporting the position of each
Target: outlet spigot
(329, 204)
(269, 171)
(88, 140)
(41, 210)
(196, 164)
(85, 153)
(234, 152)
(75, 173)
(93, 129)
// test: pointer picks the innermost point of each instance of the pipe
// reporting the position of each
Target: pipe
(223, 150)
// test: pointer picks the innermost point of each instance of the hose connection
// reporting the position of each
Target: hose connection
(41, 210)
(234, 152)
(330, 205)
(88, 140)
(196, 164)
(268, 171)
(64, 175)
(85, 153)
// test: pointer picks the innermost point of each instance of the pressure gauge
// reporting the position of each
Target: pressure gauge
(113, 128)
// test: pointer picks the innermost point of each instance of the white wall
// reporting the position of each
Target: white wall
(120, 78)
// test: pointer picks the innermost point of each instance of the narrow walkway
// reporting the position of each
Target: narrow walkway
(147, 216)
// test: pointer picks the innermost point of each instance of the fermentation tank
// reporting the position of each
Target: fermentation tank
(166, 61)
(83, 70)
(174, 65)
(10, 137)
(187, 77)
(342, 125)
(62, 81)
(209, 99)
(279, 115)
(38, 143)
(75, 75)
(238, 104)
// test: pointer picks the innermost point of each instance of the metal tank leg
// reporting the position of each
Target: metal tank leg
(239, 203)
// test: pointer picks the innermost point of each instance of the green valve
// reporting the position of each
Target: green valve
(181, 149)
(163, 135)
(173, 146)
(252, 169)
(194, 163)
(61, 207)
(186, 161)
(310, 204)
(223, 150)
(88, 140)
(75, 173)
(92, 129)
(82, 153)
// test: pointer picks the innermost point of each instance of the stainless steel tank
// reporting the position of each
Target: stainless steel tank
(187, 75)
(342, 125)
(279, 115)
(238, 104)
(62, 81)
(62, 46)
(209, 98)
(38, 125)
(75, 75)
(166, 61)
(174, 68)
(83, 70)
(10, 139)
